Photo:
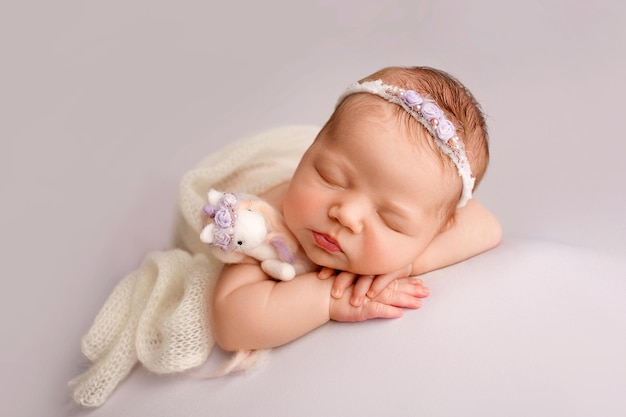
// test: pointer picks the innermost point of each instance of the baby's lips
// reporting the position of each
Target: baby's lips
(326, 242)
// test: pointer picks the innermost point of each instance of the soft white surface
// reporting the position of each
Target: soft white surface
(105, 104)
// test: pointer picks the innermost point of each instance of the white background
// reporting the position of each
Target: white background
(105, 104)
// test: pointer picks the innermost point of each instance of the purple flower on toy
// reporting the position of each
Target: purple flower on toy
(412, 98)
(228, 200)
(221, 239)
(223, 219)
(445, 130)
(210, 210)
(431, 111)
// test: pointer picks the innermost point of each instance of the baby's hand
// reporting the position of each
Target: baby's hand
(399, 294)
(366, 285)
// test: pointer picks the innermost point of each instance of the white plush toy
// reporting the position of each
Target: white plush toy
(239, 231)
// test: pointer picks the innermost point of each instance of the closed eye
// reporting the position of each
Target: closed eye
(329, 180)
(391, 226)
(391, 222)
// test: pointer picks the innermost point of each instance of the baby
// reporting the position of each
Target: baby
(383, 194)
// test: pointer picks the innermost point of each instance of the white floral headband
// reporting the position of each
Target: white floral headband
(428, 113)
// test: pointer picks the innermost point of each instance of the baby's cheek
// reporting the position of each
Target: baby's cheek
(379, 256)
(294, 212)
(300, 204)
(374, 258)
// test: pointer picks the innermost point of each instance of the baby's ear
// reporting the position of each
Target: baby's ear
(206, 235)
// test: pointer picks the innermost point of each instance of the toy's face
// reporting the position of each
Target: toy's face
(250, 230)
(366, 197)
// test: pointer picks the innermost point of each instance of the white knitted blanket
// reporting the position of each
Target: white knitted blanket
(157, 315)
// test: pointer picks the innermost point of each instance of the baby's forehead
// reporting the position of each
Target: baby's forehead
(361, 108)
(356, 135)
(362, 103)
(398, 129)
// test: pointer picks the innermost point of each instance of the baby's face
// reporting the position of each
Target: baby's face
(366, 198)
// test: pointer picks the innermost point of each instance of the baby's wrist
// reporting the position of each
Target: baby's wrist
(330, 301)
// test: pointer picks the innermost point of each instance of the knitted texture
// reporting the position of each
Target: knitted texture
(158, 314)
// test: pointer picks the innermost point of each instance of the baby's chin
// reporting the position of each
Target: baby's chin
(324, 260)
(340, 262)
(340, 266)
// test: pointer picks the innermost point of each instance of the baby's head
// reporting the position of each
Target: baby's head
(403, 149)
(459, 107)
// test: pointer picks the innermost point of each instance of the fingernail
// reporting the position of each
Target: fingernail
(356, 301)
(335, 293)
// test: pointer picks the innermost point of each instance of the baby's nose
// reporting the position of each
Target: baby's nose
(350, 214)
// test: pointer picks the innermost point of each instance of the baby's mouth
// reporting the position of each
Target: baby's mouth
(326, 242)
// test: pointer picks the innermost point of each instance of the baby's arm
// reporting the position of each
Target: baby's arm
(250, 311)
(474, 230)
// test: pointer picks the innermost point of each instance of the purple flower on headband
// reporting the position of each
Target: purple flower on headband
(221, 239)
(445, 130)
(412, 98)
(223, 219)
(431, 111)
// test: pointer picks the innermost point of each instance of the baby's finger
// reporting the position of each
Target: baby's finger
(405, 292)
(374, 310)
(412, 286)
(342, 281)
(325, 273)
(360, 289)
(399, 299)
(382, 281)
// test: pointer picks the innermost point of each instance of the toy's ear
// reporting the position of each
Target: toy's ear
(214, 196)
(206, 235)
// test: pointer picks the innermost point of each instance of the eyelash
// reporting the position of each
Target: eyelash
(327, 180)
(390, 225)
